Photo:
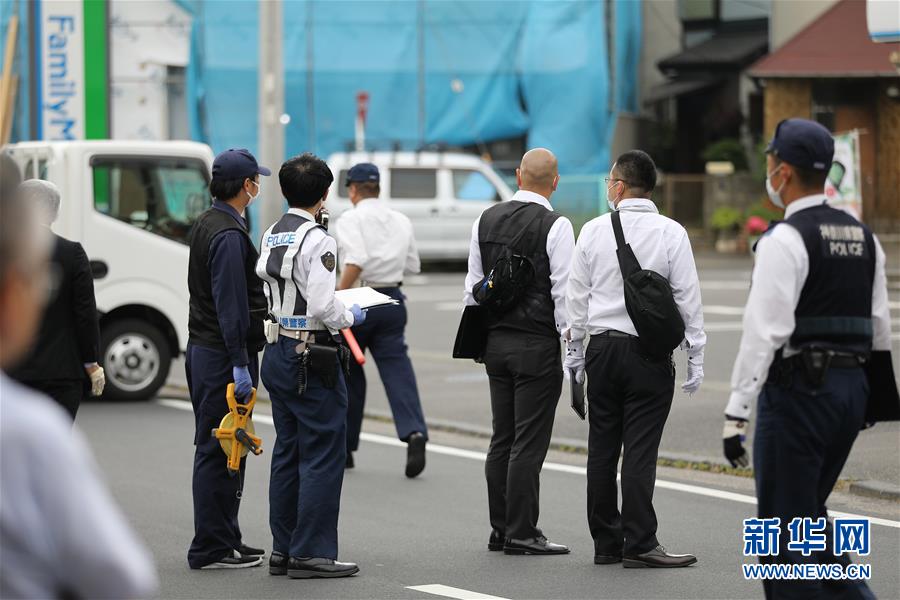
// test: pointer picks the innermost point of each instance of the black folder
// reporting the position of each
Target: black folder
(472, 333)
(884, 400)
(577, 395)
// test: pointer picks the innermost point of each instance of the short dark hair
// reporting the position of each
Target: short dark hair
(637, 170)
(808, 178)
(226, 189)
(304, 180)
(369, 189)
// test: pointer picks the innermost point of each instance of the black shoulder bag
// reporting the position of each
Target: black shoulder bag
(648, 300)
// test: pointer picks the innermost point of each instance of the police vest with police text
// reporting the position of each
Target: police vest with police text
(835, 306)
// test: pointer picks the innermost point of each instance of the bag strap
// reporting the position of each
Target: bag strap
(512, 245)
(628, 262)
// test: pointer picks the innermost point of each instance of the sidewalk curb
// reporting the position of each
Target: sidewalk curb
(875, 489)
(868, 488)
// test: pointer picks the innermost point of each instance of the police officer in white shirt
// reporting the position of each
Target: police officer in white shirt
(629, 394)
(303, 369)
(817, 307)
(61, 533)
(521, 355)
(376, 246)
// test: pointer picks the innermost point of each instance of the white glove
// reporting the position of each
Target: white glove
(98, 379)
(574, 360)
(694, 375)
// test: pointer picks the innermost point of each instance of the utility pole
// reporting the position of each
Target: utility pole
(272, 118)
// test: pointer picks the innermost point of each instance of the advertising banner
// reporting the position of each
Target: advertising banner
(843, 185)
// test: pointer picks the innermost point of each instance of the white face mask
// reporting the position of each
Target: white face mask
(258, 191)
(609, 201)
(774, 195)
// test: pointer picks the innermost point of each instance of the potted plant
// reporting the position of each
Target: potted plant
(726, 222)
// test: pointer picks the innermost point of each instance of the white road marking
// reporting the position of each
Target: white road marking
(452, 592)
(549, 466)
(718, 309)
(449, 306)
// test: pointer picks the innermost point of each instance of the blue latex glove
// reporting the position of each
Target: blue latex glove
(359, 315)
(243, 385)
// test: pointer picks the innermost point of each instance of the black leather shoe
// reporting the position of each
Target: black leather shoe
(278, 563)
(349, 464)
(496, 541)
(308, 568)
(415, 454)
(607, 559)
(246, 550)
(536, 545)
(658, 558)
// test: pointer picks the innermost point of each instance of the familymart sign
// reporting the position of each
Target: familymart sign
(71, 55)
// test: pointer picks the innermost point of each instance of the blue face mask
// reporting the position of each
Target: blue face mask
(774, 195)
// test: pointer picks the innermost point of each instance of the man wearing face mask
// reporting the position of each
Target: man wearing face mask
(629, 392)
(227, 307)
(817, 307)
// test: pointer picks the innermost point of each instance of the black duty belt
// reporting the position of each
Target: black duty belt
(612, 333)
(814, 363)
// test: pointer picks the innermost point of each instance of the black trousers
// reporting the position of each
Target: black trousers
(67, 392)
(525, 373)
(802, 440)
(217, 493)
(629, 396)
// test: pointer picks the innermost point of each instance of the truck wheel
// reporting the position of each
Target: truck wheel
(136, 358)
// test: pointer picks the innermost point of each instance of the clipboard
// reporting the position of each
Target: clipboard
(472, 333)
(577, 396)
(884, 400)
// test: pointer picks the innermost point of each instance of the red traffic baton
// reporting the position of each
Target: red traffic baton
(354, 346)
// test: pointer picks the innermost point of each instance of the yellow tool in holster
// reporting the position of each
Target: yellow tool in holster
(236, 433)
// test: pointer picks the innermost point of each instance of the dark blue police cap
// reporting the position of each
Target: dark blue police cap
(363, 172)
(237, 163)
(803, 143)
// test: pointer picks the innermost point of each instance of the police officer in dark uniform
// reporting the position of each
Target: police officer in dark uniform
(304, 371)
(817, 307)
(227, 307)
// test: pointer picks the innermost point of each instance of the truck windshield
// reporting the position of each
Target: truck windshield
(157, 194)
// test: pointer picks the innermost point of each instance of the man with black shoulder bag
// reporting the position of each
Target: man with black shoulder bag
(518, 268)
(633, 289)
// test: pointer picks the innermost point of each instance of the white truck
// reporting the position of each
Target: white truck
(131, 204)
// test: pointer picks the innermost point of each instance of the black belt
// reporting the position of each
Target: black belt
(839, 360)
(612, 333)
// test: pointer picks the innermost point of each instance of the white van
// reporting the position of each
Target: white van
(131, 204)
(441, 193)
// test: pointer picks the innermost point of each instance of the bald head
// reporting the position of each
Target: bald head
(538, 172)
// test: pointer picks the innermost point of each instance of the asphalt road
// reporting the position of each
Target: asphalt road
(455, 392)
(433, 530)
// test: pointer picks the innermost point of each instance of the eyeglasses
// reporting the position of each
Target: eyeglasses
(608, 180)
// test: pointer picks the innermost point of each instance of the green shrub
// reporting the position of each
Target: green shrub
(726, 218)
(730, 150)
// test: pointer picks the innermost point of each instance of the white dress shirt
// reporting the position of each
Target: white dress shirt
(596, 295)
(782, 265)
(560, 245)
(378, 240)
(59, 526)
